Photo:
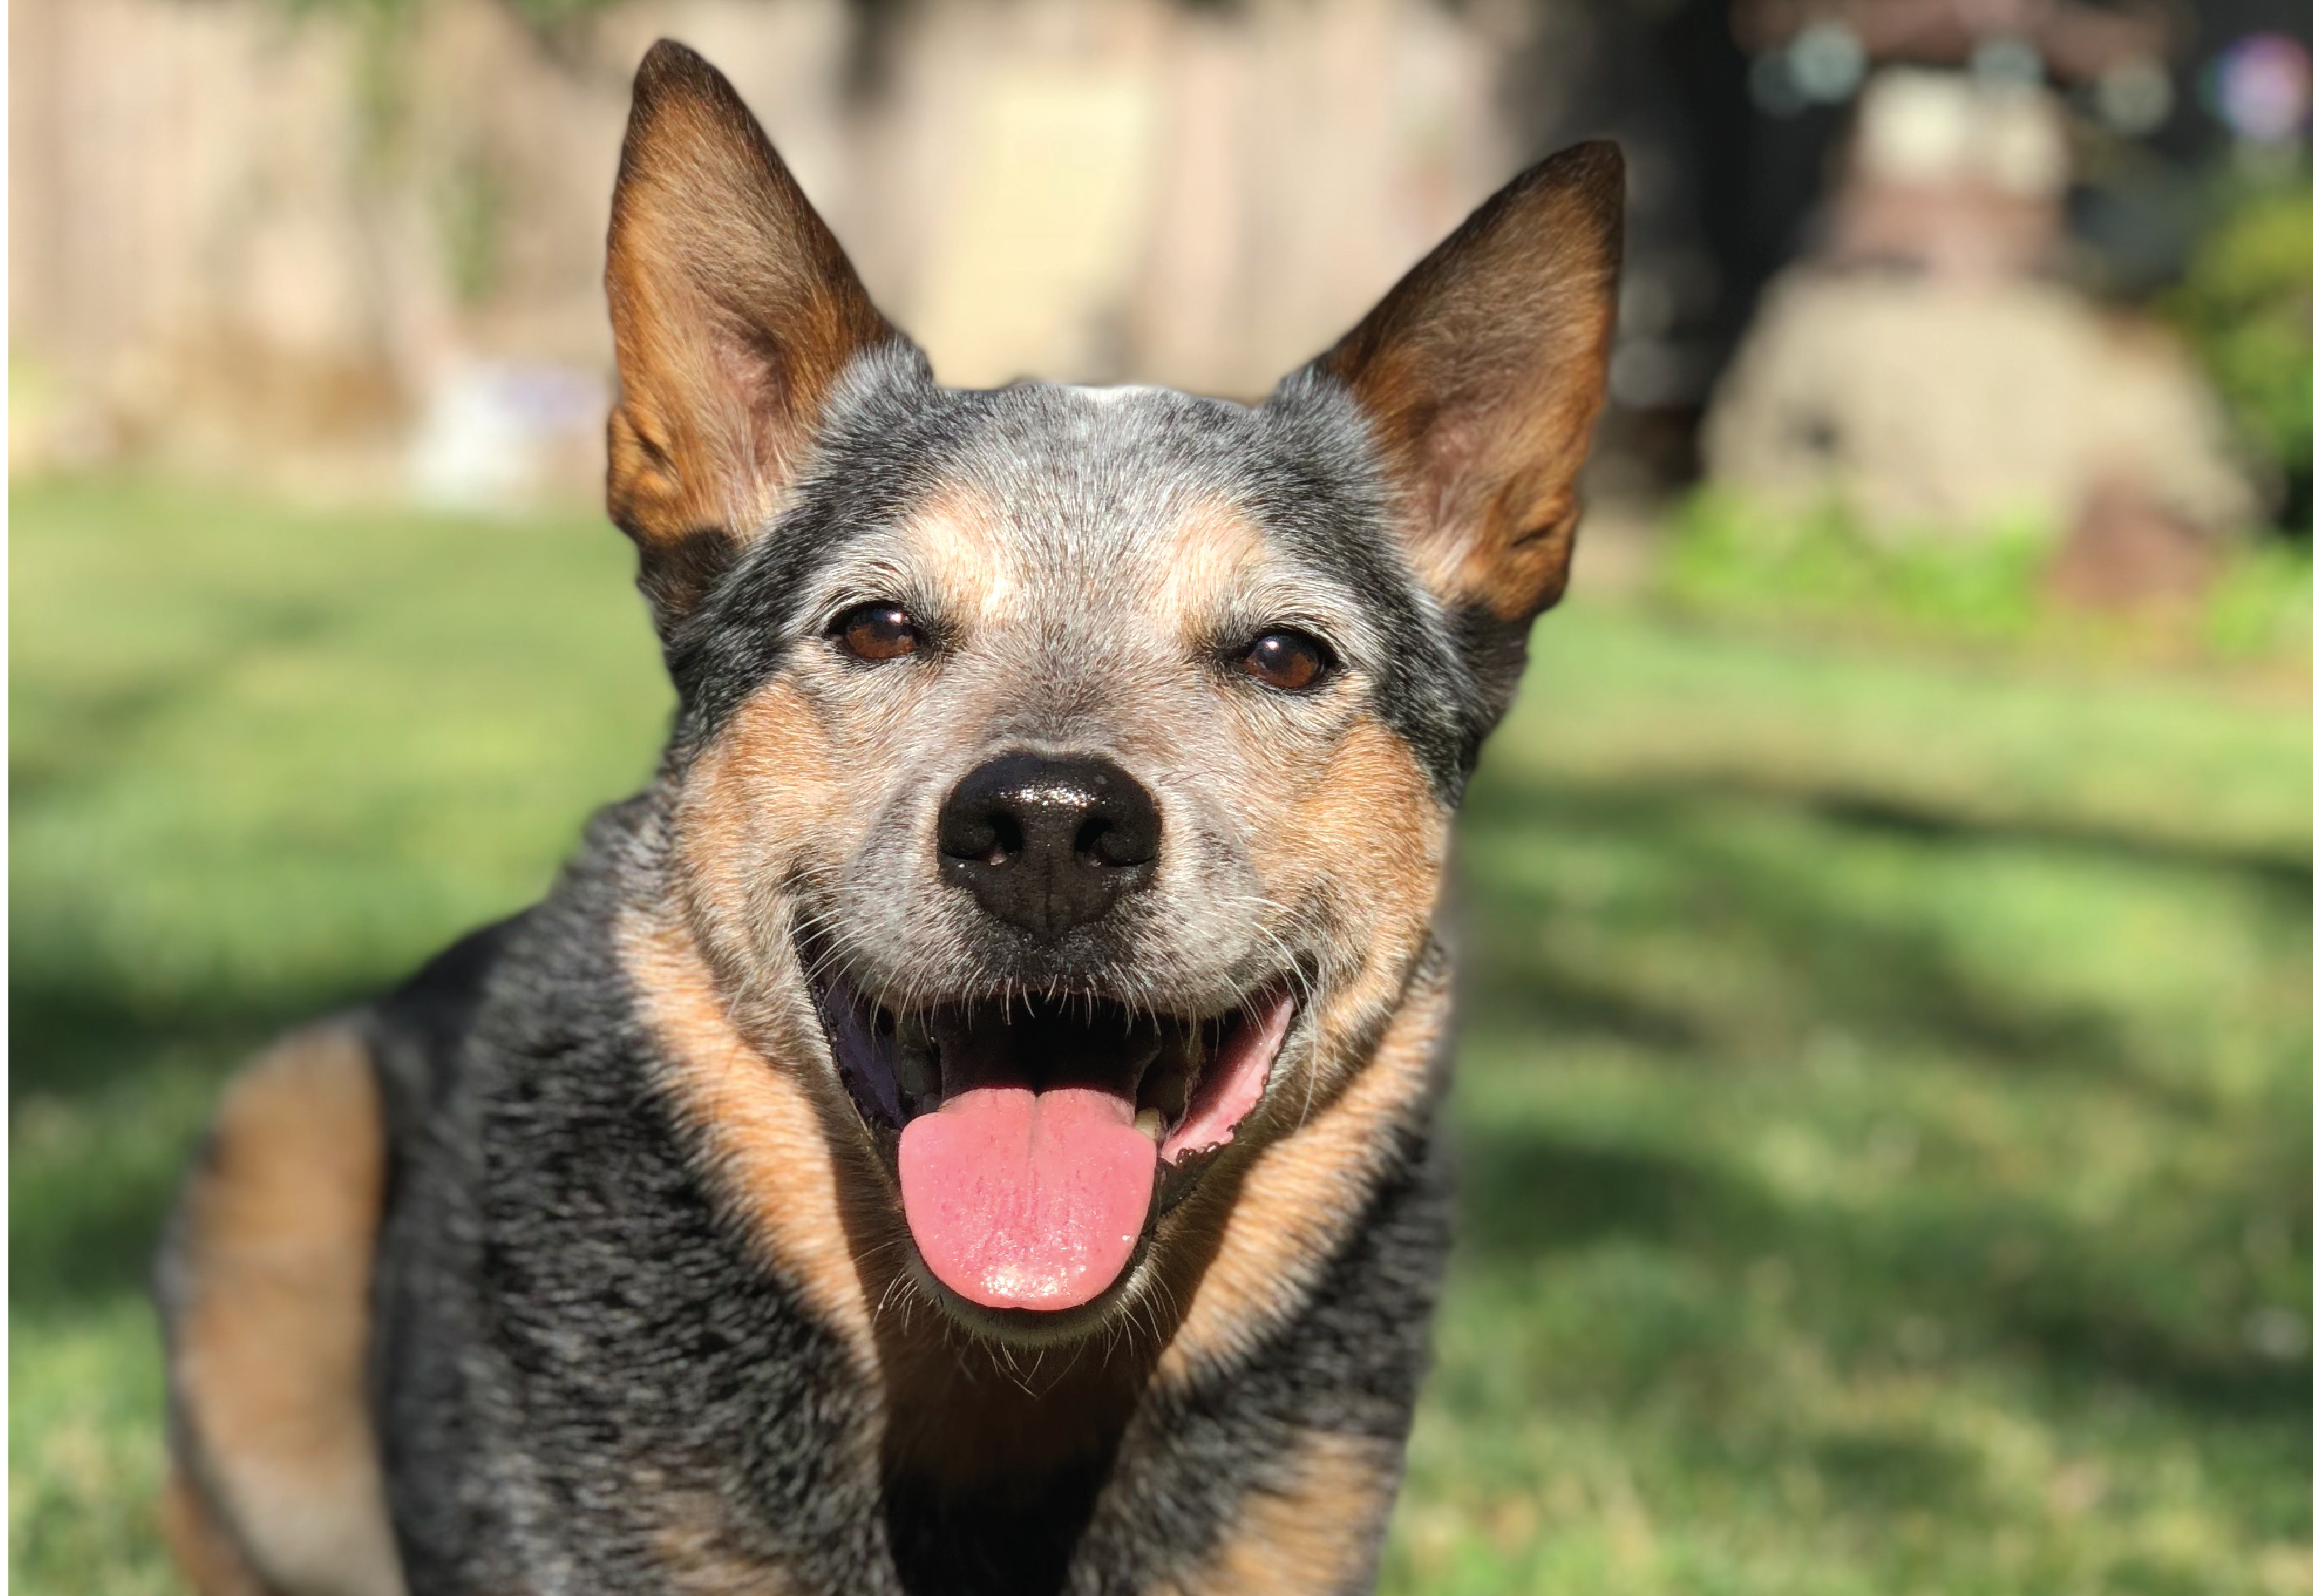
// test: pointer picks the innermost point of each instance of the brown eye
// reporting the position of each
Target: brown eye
(1289, 661)
(878, 631)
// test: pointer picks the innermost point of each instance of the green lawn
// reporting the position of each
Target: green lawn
(1886, 1112)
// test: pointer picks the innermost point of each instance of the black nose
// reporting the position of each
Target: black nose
(1047, 844)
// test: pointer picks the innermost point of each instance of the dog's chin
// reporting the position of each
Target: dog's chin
(1037, 1142)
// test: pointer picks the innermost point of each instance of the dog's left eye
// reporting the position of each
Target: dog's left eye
(877, 631)
(1292, 661)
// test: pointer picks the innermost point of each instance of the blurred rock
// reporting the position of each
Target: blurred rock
(1934, 405)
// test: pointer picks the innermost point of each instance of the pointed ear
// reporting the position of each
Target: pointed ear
(1482, 374)
(734, 312)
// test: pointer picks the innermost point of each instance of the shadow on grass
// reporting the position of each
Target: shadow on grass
(1885, 976)
(2273, 870)
(107, 1091)
(2001, 1270)
(2087, 1309)
(75, 1033)
(88, 1245)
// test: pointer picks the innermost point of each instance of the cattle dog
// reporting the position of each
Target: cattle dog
(969, 1125)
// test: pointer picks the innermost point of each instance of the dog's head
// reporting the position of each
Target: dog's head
(1065, 774)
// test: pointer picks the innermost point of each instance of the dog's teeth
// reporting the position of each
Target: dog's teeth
(1149, 1123)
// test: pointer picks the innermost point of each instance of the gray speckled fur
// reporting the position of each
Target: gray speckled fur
(568, 1328)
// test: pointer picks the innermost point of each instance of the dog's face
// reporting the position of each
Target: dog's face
(1065, 775)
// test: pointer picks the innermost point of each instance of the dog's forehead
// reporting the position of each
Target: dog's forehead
(1105, 499)
(1075, 469)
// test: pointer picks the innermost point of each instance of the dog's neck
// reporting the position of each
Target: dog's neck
(971, 1417)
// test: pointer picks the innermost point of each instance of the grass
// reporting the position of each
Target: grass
(1814, 571)
(1886, 1091)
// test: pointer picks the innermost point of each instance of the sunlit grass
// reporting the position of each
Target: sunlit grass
(1886, 1097)
(1731, 557)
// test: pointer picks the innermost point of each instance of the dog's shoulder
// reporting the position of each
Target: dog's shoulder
(416, 1032)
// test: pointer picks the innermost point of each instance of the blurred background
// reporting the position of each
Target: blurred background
(1887, 1103)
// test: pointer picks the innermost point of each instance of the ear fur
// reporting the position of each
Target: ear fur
(1482, 373)
(734, 312)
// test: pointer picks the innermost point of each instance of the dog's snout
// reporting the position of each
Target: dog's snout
(1047, 843)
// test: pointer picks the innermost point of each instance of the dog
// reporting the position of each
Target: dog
(968, 1126)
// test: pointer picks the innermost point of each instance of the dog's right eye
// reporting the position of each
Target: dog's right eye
(877, 631)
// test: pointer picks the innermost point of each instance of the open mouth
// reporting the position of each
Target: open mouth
(1036, 1138)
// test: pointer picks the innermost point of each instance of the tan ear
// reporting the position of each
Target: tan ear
(1482, 374)
(734, 312)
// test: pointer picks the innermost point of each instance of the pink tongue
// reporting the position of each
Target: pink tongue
(1026, 1199)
